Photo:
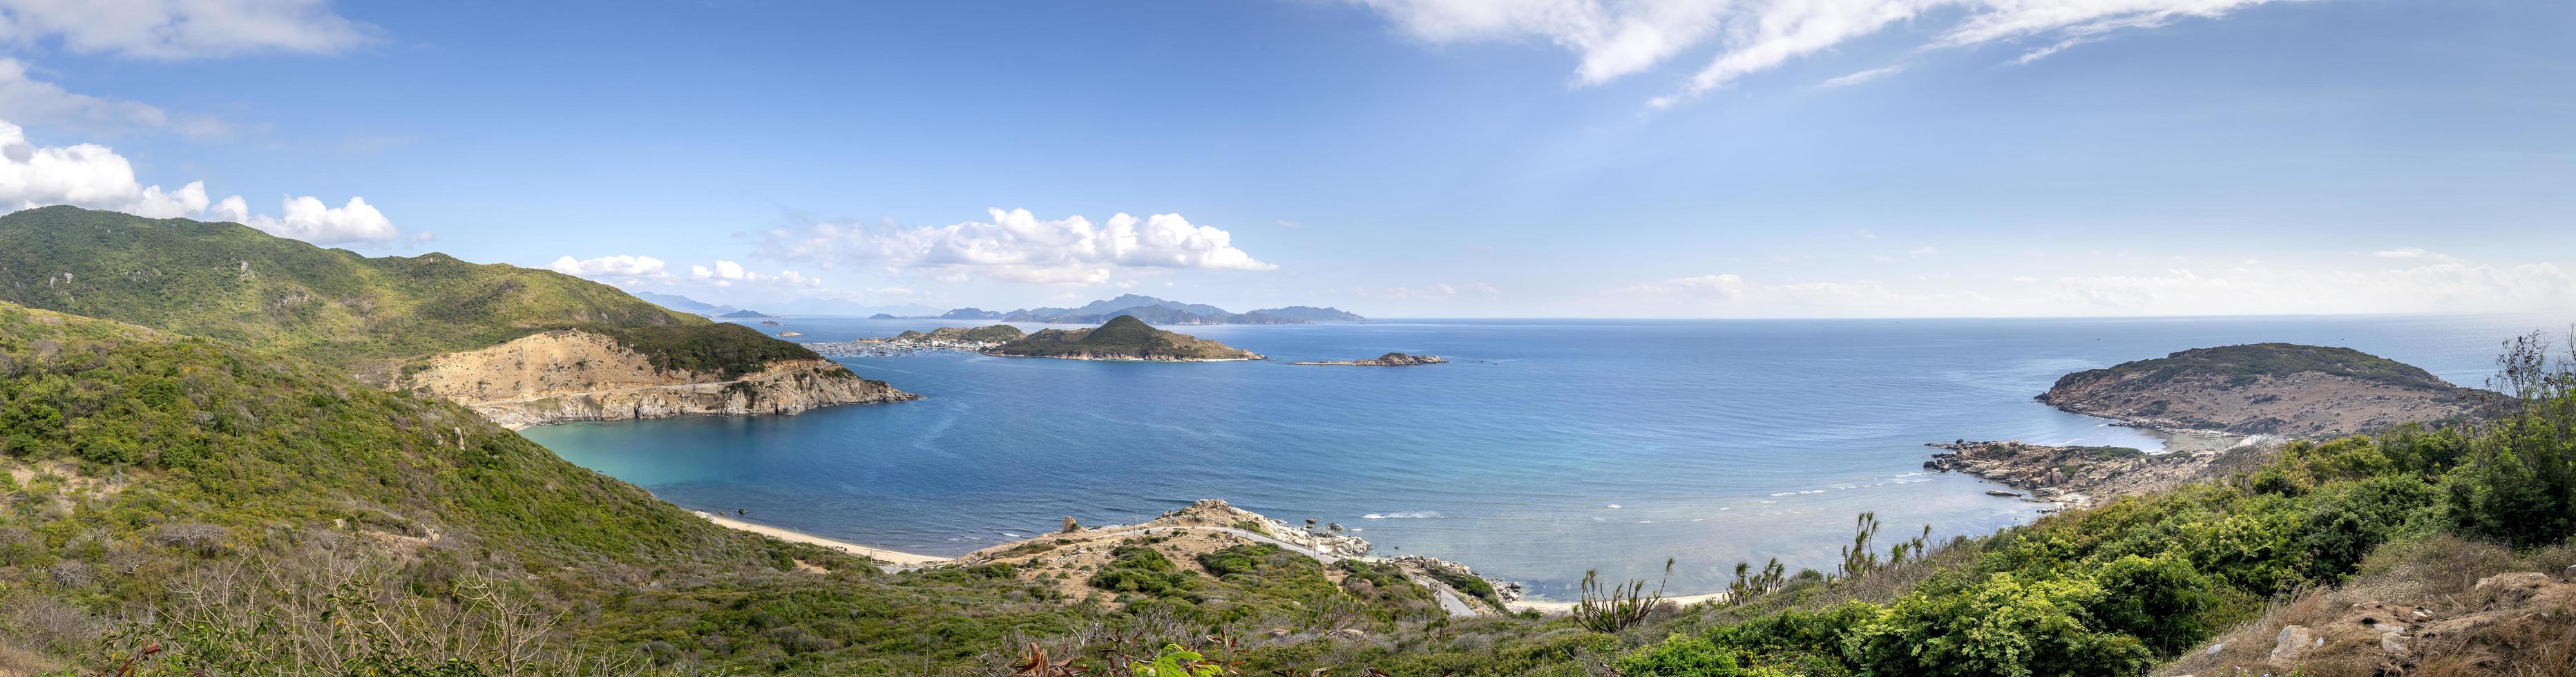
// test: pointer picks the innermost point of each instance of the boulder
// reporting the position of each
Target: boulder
(2293, 641)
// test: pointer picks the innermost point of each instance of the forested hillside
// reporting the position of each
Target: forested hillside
(228, 281)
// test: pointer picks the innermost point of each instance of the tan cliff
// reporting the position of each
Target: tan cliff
(565, 375)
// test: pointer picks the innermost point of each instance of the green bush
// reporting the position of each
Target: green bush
(2163, 602)
(2004, 626)
(1143, 570)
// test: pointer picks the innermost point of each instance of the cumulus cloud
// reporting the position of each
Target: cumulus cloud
(182, 29)
(726, 273)
(1617, 38)
(308, 219)
(1017, 246)
(94, 176)
(2426, 282)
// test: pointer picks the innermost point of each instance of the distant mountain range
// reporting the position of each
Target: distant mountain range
(1152, 311)
(684, 304)
(815, 306)
(803, 306)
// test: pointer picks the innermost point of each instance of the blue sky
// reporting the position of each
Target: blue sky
(1678, 158)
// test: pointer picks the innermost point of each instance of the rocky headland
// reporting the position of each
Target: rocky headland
(566, 375)
(2083, 476)
(1121, 338)
(2266, 389)
(1386, 360)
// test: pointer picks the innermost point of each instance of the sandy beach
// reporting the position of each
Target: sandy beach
(880, 554)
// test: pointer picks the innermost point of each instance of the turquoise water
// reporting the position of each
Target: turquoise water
(1549, 448)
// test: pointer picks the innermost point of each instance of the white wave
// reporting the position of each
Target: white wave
(1418, 515)
(1613, 505)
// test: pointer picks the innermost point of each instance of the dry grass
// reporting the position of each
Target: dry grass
(2461, 629)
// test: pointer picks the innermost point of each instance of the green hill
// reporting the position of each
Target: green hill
(231, 282)
(2243, 364)
(1121, 338)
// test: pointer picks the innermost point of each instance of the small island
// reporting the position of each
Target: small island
(949, 337)
(770, 323)
(2266, 389)
(1121, 338)
(1386, 360)
(745, 315)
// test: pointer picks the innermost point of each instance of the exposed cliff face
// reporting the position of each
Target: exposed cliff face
(560, 376)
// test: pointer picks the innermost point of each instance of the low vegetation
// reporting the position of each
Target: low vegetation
(2244, 364)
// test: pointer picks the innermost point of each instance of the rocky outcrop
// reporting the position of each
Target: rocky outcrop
(1386, 360)
(2075, 476)
(559, 376)
(2269, 388)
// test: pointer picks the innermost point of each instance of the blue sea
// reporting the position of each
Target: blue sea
(1550, 447)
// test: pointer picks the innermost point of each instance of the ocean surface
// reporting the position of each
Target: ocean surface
(1550, 447)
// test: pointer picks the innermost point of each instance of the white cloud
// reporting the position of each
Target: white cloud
(1616, 38)
(628, 270)
(181, 29)
(308, 219)
(94, 176)
(1017, 246)
(620, 265)
(1863, 76)
(726, 273)
(25, 99)
(87, 175)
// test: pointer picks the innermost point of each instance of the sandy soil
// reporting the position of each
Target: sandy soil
(880, 554)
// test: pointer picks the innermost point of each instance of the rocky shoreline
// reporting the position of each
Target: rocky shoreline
(1386, 360)
(2079, 476)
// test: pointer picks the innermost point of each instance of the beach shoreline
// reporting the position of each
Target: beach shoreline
(893, 557)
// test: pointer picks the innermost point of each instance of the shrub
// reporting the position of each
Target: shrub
(2163, 602)
(2003, 627)
(1140, 569)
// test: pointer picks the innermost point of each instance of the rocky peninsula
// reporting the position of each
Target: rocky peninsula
(2080, 476)
(1121, 338)
(1386, 360)
(2266, 389)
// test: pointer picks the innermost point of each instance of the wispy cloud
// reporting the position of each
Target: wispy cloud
(183, 29)
(2425, 281)
(27, 100)
(1863, 76)
(1614, 39)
